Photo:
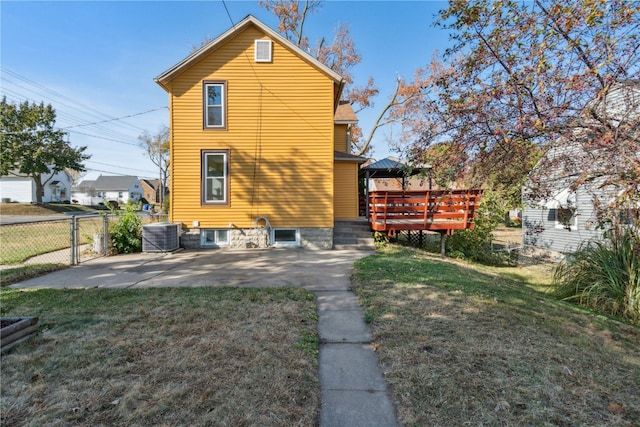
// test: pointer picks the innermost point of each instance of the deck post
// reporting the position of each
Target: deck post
(443, 241)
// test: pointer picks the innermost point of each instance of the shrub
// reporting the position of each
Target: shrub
(474, 244)
(604, 275)
(126, 232)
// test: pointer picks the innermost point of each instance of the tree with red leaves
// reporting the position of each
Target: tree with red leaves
(525, 76)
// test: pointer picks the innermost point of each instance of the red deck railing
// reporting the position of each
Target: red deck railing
(436, 210)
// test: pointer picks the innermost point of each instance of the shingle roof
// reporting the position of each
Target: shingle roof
(345, 114)
(346, 157)
(110, 183)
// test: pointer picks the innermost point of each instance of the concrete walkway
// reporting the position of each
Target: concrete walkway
(353, 391)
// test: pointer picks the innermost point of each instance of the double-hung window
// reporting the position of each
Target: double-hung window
(215, 177)
(214, 105)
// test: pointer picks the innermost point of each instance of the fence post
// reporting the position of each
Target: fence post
(76, 219)
(105, 234)
(72, 237)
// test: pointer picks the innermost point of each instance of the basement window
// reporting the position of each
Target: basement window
(285, 237)
(214, 237)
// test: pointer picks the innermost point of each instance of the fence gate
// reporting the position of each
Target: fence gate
(68, 241)
(89, 237)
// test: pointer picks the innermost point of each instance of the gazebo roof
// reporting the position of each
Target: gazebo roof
(389, 168)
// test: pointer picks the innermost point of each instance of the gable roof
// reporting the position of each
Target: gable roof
(219, 41)
(110, 183)
(390, 168)
(153, 183)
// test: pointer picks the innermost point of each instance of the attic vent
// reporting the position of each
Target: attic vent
(263, 51)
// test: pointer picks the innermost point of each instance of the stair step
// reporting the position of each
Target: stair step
(340, 247)
(352, 240)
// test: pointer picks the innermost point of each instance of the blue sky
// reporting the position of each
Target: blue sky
(95, 61)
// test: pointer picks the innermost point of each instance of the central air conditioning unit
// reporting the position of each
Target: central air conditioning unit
(160, 237)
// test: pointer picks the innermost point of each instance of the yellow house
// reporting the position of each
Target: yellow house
(259, 143)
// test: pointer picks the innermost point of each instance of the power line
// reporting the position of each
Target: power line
(119, 167)
(116, 173)
(105, 138)
(88, 114)
(116, 119)
(228, 14)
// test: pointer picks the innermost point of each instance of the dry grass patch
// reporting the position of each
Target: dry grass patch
(163, 357)
(37, 210)
(464, 345)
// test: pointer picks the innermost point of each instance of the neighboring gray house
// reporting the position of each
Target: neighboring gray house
(566, 217)
(17, 187)
(108, 188)
(575, 178)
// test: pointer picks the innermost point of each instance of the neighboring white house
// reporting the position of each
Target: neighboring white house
(107, 188)
(17, 187)
(576, 178)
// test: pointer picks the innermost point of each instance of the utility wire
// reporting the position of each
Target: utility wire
(116, 119)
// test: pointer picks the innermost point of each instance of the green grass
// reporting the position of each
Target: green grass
(40, 210)
(19, 242)
(181, 356)
(13, 275)
(463, 344)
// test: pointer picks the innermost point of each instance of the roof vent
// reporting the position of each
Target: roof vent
(263, 50)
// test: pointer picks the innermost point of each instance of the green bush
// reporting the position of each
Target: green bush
(475, 244)
(604, 275)
(126, 232)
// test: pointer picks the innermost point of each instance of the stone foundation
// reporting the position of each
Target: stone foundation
(310, 238)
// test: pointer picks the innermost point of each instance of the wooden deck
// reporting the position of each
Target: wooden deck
(443, 211)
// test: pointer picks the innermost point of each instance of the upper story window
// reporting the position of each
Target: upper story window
(214, 105)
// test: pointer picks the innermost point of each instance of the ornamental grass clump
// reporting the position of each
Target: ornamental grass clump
(604, 275)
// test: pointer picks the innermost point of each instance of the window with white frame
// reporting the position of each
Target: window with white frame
(285, 236)
(215, 176)
(214, 237)
(214, 105)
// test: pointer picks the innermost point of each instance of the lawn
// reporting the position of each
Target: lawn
(461, 344)
(40, 210)
(201, 356)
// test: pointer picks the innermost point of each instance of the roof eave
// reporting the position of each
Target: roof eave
(164, 78)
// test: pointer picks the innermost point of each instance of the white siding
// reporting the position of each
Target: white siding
(17, 189)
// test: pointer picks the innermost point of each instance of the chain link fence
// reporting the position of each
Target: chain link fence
(59, 241)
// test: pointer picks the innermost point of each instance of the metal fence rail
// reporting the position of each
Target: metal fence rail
(68, 241)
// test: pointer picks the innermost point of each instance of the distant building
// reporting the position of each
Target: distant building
(108, 188)
(17, 187)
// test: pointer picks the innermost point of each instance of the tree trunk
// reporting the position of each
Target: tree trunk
(37, 178)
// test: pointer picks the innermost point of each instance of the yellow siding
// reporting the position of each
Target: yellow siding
(340, 138)
(346, 190)
(279, 136)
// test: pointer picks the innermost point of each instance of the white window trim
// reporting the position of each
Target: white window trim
(273, 237)
(225, 176)
(217, 242)
(223, 106)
